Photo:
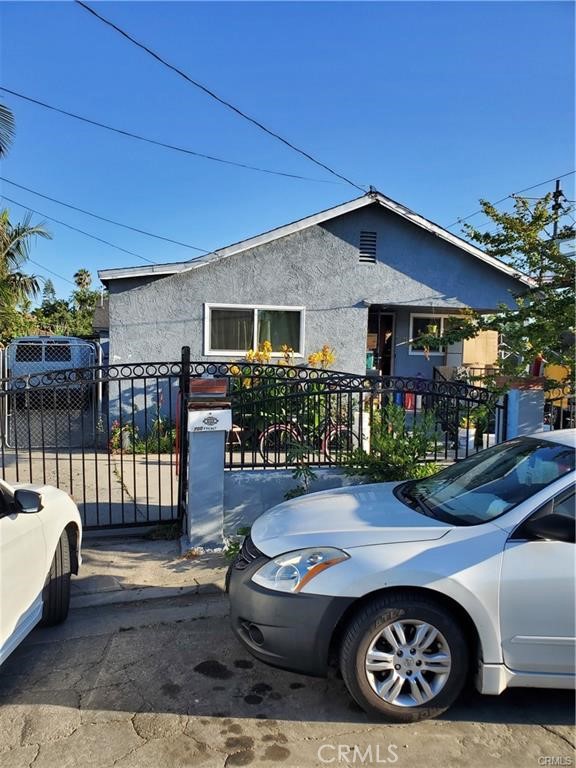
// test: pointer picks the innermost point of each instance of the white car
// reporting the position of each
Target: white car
(40, 540)
(415, 586)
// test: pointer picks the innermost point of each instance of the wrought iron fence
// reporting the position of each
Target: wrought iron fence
(115, 455)
(560, 408)
(123, 458)
(282, 412)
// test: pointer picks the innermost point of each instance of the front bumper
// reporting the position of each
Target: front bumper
(291, 631)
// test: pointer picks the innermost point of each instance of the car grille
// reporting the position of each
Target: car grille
(248, 553)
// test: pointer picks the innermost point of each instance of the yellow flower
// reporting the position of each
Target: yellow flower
(314, 359)
(235, 371)
(287, 355)
(323, 358)
(327, 355)
(250, 355)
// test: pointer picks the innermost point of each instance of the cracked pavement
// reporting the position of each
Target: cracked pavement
(164, 684)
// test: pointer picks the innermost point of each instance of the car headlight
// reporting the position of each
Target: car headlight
(292, 571)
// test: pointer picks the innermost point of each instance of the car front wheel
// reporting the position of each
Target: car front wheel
(56, 593)
(404, 658)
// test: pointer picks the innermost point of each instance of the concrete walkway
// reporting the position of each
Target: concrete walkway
(136, 569)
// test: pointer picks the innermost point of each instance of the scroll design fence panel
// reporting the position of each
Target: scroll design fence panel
(124, 458)
(560, 408)
(327, 414)
(116, 456)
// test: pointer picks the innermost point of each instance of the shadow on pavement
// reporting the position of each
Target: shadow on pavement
(180, 657)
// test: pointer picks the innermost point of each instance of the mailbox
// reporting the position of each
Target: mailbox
(208, 406)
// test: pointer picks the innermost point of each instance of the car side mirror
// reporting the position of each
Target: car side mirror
(549, 527)
(27, 501)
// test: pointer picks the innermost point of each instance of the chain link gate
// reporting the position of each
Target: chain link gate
(48, 417)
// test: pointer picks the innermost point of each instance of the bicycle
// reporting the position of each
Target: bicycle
(331, 438)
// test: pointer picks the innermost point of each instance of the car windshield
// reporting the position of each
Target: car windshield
(488, 484)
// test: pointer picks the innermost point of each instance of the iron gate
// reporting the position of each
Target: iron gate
(122, 454)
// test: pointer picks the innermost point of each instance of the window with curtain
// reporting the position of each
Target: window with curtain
(231, 329)
(237, 329)
(279, 326)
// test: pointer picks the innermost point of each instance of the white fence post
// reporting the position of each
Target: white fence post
(209, 418)
(525, 409)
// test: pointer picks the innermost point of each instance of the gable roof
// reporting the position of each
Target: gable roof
(372, 197)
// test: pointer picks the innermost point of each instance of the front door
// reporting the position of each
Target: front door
(381, 340)
(386, 343)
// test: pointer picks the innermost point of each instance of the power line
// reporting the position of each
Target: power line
(173, 147)
(214, 96)
(75, 229)
(45, 269)
(565, 199)
(511, 195)
(103, 218)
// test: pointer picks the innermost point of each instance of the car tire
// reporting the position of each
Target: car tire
(406, 681)
(56, 592)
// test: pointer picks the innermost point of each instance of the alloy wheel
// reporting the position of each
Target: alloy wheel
(408, 663)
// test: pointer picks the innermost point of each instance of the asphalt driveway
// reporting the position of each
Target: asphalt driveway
(163, 684)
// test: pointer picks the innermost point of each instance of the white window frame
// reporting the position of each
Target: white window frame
(209, 352)
(439, 319)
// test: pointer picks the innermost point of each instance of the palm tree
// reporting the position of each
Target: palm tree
(15, 240)
(83, 279)
(7, 129)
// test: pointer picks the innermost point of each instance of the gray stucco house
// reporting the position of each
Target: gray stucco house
(369, 274)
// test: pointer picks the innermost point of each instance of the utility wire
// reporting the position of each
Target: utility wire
(45, 269)
(511, 195)
(217, 98)
(103, 218)
(565, 199)
(174, 147)
(75, 229)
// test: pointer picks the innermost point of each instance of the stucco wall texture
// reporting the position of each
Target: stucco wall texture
(318, 268)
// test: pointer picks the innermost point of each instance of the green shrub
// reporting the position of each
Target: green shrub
(302, 472)
(396, 452)
(234, 544)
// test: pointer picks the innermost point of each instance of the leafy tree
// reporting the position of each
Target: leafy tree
(7, 128)
(83, 279)
(16, 286)
(72, 316)
(541, 320)
(54, 317)
(48, 292)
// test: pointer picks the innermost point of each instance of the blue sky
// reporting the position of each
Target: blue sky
(435, 104)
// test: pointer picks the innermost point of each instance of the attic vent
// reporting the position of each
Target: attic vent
(367, 247)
